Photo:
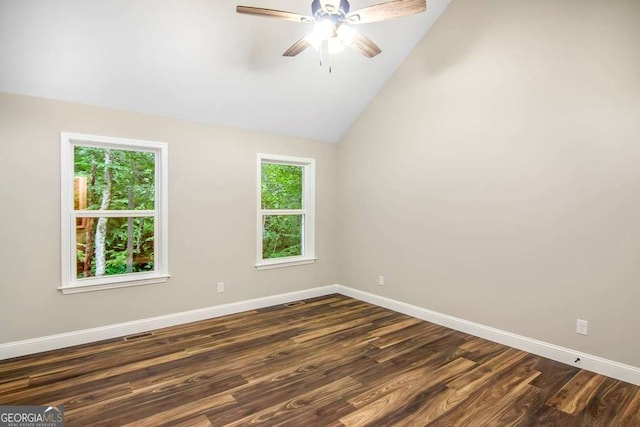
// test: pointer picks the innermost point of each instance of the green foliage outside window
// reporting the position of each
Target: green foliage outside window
(109, 179)
(282, 188)
(282, 236)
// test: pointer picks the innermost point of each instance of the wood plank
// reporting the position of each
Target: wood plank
(487, 404)
(444, 350)
(200, 421)
(574, 395)
(604, 404)
(422, 378)
(387, 352)
(548, 416)
(484, 373)
(385, 402)
(395, 326)
(196, 398)
(186, 410)
(426, 407)
(408, 333)
(338, 326)
(12, 385)
(98, 374)
(520, 408)
(315, 398)
(628, 414)
(480, 350)
(83, 400)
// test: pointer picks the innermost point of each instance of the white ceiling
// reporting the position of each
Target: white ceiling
(198, 60)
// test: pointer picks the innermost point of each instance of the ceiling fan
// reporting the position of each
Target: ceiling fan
(333, 23)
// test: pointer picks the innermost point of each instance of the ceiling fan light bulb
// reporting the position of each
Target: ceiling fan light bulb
(324, 29)
(314, 40)
(335, 45)
(346, 34)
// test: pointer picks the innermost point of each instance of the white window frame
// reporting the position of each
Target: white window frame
(307, 212)
(70, 283)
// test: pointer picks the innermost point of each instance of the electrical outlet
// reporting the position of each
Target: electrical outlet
(220, 287)
(582, 327)
(380, 280)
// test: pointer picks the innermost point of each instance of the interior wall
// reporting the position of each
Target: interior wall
(496, 176)
(212, 218)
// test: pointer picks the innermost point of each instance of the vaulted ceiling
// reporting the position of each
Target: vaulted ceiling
(198, 60)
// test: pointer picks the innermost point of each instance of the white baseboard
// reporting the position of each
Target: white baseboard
(589, 362)
(84, 336)
(619, 371)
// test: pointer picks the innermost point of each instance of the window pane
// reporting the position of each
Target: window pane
(109, 246)
(113, 179)
(281, 186)
(281, 236)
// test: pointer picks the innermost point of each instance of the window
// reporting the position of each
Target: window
(114, 212)
(286, 213)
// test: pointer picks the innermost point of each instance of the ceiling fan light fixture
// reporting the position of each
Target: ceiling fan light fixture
(330, 7)
(314, 41)
(323, 30)
(333, 19)
(346, 34)
(335, 46)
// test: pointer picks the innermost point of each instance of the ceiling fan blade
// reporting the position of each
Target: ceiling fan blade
(297, 47)
(365, 46)
(272, 13)
(388, 10)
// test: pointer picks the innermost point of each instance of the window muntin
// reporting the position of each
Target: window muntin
(114, 228)
(286, 223)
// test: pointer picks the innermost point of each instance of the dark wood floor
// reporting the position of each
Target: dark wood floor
(328, 361)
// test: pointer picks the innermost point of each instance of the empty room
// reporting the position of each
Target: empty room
(320, 213)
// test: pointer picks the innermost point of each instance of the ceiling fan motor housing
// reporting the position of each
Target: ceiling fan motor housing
(317, 11)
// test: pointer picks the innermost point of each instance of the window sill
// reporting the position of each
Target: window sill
(78, 288)
(284, 262)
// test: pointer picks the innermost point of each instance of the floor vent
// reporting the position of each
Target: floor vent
(138, 336)
(293, 304)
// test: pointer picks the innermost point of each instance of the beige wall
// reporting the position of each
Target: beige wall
(496, 177)
(212, 196)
